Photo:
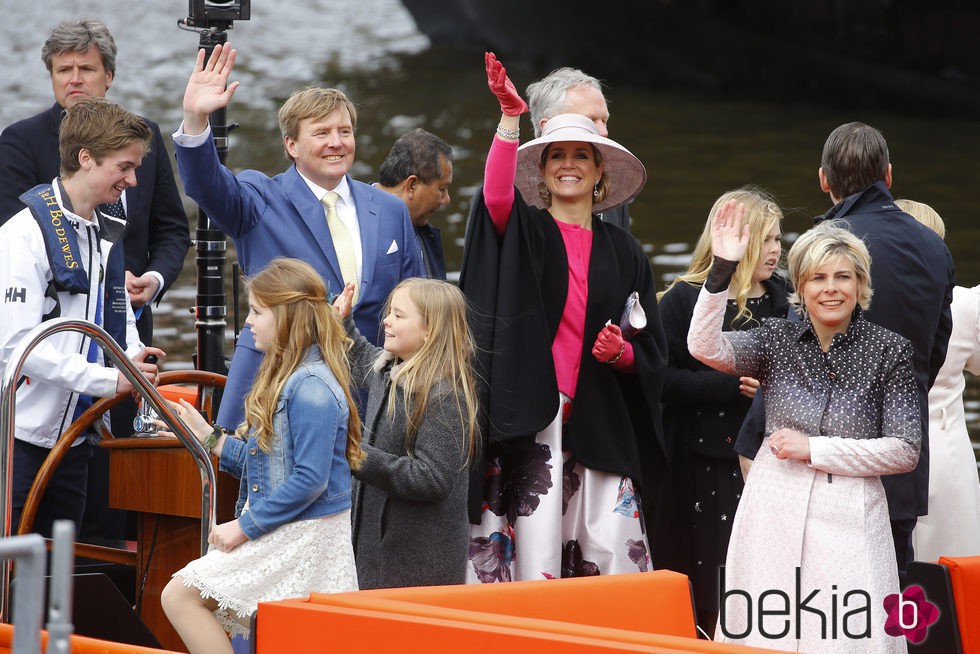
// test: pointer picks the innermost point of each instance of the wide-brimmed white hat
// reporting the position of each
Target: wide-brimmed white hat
(625, 175)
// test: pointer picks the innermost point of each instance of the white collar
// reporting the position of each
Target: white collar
(71, 215)
(342, 189)
(383, 360)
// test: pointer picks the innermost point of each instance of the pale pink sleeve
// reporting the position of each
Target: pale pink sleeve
(862, 457)
(705, 340)
(498, 182)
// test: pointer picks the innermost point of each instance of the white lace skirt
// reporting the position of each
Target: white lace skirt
(298, 558)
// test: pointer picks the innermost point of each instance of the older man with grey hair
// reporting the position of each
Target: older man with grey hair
(570, 91)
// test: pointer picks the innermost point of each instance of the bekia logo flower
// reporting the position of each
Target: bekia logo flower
(910, 614)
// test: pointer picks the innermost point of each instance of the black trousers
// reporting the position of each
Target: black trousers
(102, 524)
(64, 498)
(902, 535)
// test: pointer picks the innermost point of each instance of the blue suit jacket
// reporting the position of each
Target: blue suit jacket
(279, 216)
(156, 236)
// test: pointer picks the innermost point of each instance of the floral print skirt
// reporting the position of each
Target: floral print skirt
(546, 516)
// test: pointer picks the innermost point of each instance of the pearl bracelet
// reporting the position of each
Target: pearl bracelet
(508, 134)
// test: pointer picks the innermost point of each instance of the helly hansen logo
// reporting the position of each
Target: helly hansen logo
(15, 294)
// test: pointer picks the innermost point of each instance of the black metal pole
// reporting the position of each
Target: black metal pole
(211, 307)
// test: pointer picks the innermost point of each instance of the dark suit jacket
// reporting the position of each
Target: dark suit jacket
(430, 244)
(279, 216)
(156, 235)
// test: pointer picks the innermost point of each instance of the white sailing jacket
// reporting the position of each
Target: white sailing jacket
(57, 370)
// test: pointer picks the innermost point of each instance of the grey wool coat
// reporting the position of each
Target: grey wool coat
(410, 525)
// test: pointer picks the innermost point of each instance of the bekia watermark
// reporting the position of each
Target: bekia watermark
(910, 614)
(834, 613)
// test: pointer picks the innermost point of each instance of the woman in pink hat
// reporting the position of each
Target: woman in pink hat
(573, 449)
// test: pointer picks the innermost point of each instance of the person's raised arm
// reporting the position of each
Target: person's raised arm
(362, 353)
(498, 181)
(208, 89)
(729, 240)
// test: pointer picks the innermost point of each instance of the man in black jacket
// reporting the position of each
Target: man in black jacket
(912, 276)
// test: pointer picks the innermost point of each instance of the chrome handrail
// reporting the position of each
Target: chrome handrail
(31, 556)
(8, 389)
(60, 602)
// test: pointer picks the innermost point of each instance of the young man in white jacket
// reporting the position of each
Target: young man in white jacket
(59, 256)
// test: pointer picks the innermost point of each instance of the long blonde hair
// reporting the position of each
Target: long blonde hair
(297, 297)
(762, 214)
(446, 354)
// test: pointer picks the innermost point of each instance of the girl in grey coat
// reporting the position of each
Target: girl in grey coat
(409, 513)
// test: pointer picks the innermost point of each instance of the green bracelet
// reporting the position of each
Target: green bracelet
(212, 438)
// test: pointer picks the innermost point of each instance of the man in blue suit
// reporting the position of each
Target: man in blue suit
(285, 215)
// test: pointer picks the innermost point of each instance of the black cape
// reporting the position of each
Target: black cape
(517, 286)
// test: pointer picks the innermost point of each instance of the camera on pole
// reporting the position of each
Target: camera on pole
(215, 13)
(211, 19)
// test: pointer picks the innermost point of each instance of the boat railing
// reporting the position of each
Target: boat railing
(8, 389)
(29, 551)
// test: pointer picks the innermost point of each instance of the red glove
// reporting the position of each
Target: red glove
(609, 344)
(511, 102)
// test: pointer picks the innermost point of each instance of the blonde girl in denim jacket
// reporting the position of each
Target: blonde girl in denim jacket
(293, 454)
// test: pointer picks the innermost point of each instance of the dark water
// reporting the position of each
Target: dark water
(694, 148)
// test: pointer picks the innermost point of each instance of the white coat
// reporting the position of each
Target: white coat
(952, 527)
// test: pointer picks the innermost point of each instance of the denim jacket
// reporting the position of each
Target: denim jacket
(306, 474)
